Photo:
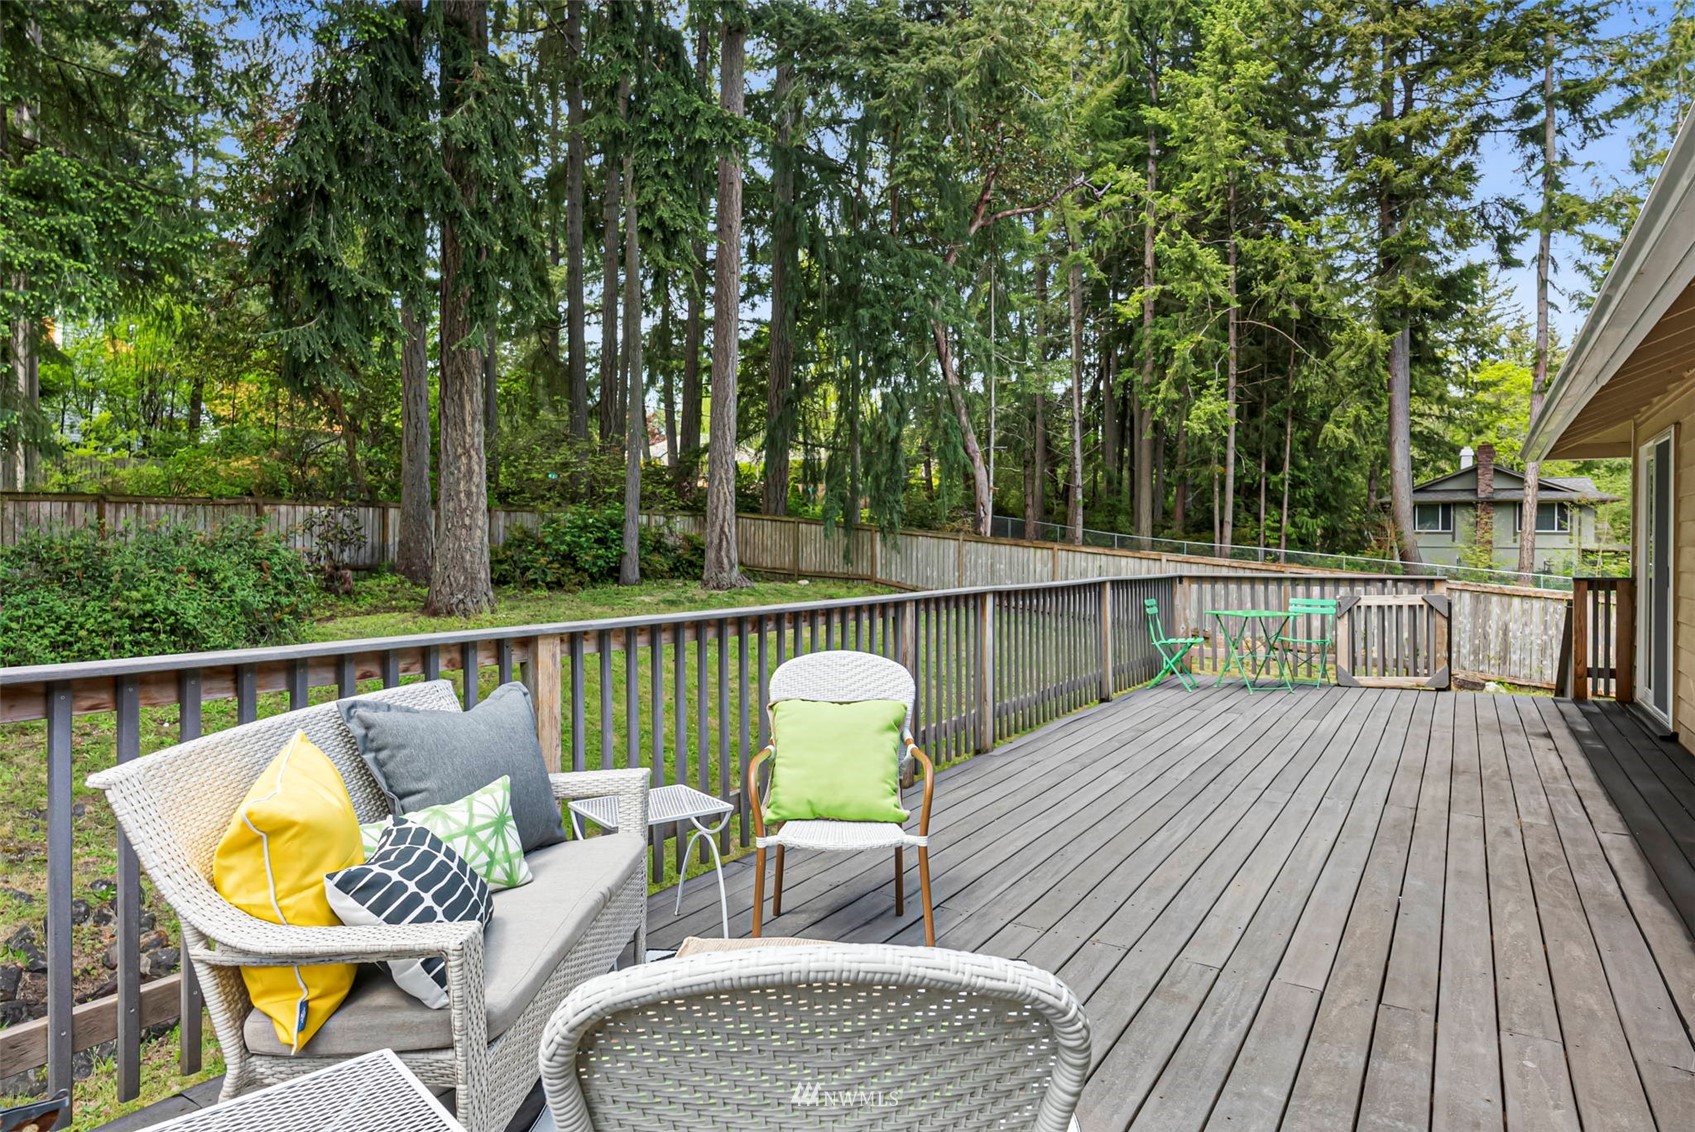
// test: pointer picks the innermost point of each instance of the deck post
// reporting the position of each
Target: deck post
(1580, 638)
(546, 694)
(1624, 642)
(985, 671)
(1105, 641)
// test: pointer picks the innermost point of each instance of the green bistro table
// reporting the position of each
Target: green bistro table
(1234, 626)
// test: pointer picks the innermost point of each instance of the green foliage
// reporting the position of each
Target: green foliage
(581, 547)
(68, 595)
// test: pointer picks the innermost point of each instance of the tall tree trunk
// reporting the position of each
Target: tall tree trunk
(18, 455)
(981, 495)
(723, 563)
(611, 421)
(1036, 474)
(635, 399)
(1288, 454)
(459, 577)
(1145, 493)
(417, 517)
(1180, 485)
(1112, 431)
(1074, 503)
(779, 429)
(1233, 354)
(1400, 443)
(349, 441)
(668, 349)
(694, 320)
(1262, 470)
(1544, 264)
(576, 344)
(491, 411)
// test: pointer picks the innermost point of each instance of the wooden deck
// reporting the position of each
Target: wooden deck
(1331, 909)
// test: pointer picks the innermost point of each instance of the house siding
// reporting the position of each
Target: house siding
(1448, 549)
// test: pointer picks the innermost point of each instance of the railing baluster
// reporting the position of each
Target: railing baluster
(579, 738)
(391, 668)
(470, 658)
(632, 701)
(246, 693)
(656, 705)
(742, 830)
(190, 1002)
(299, 685)
(723, 730)
(503, 659)
(128, 899)
(59, 887)
(604, 641)
(347, 676)
(432, 662)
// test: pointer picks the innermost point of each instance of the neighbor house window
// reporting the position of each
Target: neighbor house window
(1435, 518)
(1551, 518)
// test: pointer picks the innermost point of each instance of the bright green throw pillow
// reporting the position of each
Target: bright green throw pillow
(837, 761)
(479, 827)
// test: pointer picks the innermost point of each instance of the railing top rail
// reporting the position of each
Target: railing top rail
(38, 674)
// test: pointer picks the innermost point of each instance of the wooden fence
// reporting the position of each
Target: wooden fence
(1501, 633)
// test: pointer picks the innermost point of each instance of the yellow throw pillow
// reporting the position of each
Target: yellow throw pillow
(295, 825)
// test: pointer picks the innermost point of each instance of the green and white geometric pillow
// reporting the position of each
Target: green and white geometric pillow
(479, 827)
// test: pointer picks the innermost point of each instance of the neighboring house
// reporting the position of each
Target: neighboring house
(1483, 503)
(1627, 388)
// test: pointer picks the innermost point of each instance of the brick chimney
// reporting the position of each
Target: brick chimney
(1485, 536)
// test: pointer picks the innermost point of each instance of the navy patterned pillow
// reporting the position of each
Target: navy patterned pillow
(413, 877)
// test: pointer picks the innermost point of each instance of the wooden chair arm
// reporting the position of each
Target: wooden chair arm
(913, 751)
(756, 806)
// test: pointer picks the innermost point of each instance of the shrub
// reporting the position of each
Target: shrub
(582, 547)
(69, 595)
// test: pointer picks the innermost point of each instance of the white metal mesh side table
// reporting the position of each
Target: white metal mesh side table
(373, 1093)
(668, 805)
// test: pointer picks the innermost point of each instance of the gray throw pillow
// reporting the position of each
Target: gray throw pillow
(425, 758)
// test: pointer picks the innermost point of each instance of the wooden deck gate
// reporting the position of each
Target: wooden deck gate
(1392, 641)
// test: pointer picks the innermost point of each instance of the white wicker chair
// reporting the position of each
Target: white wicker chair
(175, 806)
(841, 676)
(832, 1036)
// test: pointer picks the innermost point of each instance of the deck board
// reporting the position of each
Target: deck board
(1331, 909)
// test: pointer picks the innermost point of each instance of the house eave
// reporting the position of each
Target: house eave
(1655, 266)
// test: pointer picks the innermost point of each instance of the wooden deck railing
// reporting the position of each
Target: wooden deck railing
(680, 694)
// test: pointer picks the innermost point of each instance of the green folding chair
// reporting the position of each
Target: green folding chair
(1288, 642)
(1174, 651)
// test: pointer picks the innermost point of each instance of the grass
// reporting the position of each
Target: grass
(380, 606)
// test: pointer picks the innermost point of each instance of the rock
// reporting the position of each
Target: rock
(10, 976)
(80, 911)
(158, 963)
(146, 922)
(78, 809)
(110, 959)
(105, 914)
(109, 987)
(12, 1013)
(153, 940)
(17, 894)
(103, 887)
(25, 943)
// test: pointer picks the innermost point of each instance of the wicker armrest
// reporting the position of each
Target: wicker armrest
(262, 944)
(629, 786)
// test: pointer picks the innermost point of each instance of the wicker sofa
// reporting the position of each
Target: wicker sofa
(587, 902)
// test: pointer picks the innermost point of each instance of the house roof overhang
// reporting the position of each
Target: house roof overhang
(1638, 342)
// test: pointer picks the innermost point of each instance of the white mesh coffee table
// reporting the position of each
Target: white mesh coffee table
(669, 805)
(373, 1093)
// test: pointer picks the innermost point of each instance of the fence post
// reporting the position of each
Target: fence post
(546, 694)
(1107, 685)
(1580, 638)
(795, 553)
(1624, 641)
(985, 672)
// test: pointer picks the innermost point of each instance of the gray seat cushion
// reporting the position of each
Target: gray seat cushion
(534, 926)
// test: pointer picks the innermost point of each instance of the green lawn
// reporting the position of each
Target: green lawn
(380, 606)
